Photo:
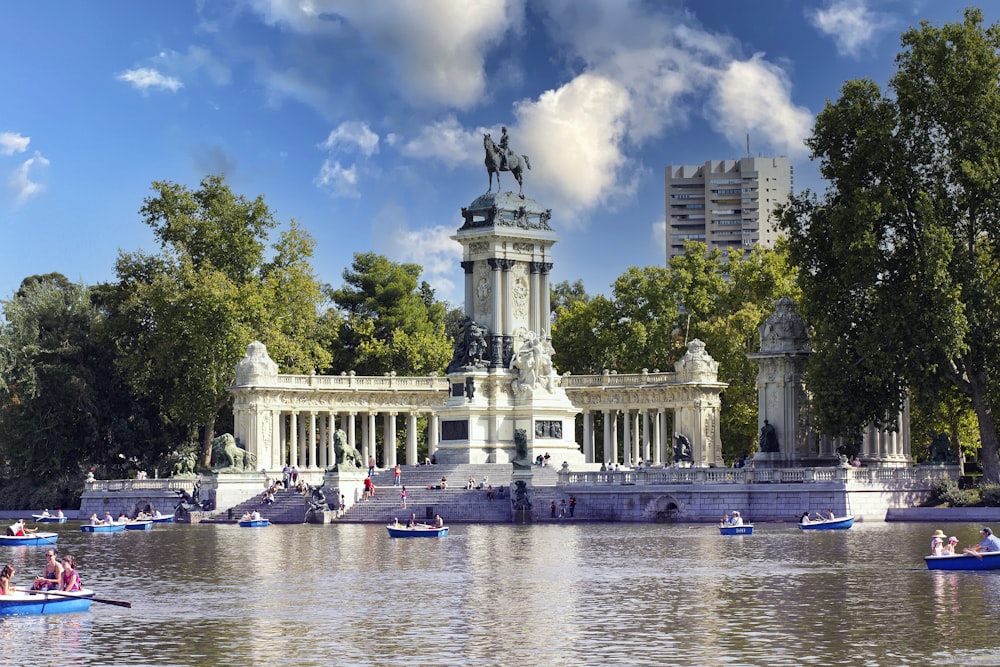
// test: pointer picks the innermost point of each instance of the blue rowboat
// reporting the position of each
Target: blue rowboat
(145, 524)
(418, 531)
(103, 528)
(32, 540)
(36, 603)
(166, 518)
(965, 561)
(255, 523)
(745, 529)
(41, 518)
(836, 523)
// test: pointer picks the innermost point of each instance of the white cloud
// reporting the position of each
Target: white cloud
(20, 179)
(195, 60)
(431, 247)
(145, 78)
(337, 180)
(13, 142)
(576, 135)
(658, 232)
(353, 134)
(447, 140)
(754, 96)
(436, 48)
(851, 24)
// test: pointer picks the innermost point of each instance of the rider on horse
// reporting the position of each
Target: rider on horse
(504, 150)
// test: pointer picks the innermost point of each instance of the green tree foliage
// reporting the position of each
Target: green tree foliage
(182, 318)
(564, 294)
(898, 258)
(63, 405)
(392, 321)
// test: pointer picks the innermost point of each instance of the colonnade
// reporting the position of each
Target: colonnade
(294, 446)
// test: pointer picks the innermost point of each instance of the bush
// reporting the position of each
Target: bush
(23, 493)
(989, 494)
(947, 491)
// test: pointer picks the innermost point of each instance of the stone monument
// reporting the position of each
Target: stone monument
(501, 374)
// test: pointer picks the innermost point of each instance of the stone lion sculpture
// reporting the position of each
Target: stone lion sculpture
(347, 455)
(184, 464)
(229, 456)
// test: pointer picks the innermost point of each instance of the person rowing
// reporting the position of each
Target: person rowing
(51, 574)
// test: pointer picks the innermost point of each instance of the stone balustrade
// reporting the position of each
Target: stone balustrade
(923, 475)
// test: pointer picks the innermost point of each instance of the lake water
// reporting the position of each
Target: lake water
(564, 594)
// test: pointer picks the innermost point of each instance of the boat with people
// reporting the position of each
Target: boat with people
(141, 524)
(836, 523)
(254, 523)
(745, 529)
(48, 518)
(30, 540)
(989, 560)
(163, 518)
(103, 528)
(37, 603)
(420, 530)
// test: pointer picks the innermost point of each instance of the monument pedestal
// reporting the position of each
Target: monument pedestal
(348, 483)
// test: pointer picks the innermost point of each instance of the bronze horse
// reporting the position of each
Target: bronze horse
(516, 164)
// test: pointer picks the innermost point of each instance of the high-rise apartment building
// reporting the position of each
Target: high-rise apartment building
(726, 204)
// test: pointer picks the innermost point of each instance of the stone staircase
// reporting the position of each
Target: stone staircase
(288, 507)
(455, 504)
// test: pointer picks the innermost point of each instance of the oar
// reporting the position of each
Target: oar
(117, 603)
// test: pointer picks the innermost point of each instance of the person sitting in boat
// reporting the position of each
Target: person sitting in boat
(989, 544)
(804, 519)
(736, 520)
(830, 516)
(6, 576)
(726, 521)
(246, 517)
(438, 521)
(45, 514)
(412, 523)
(94, 521)
(936, 547)
(70, 577)
(948, 548)
(156, 513)
(108, 519)
(122, 517)
(51, 573)
(255, 516)
(18, 529)
(59, 513)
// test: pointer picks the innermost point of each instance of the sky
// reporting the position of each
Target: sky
(363, 121)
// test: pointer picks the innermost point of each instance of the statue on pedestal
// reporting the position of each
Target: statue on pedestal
(768, 439)
(501, 158)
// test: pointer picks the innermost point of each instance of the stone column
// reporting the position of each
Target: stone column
(293, 444)
(323, 442)
(496, 318)
(352, 426)
(657, 438)
(433, 430)
(311, 463)
(282, 448)
(372, 442)
(626, 439)
(645, 436)
(606, 454)
(543, 291)
(470, 289)
(411, 438)
(588, 437)
(507, 317)
(389, 444)
(533, 301)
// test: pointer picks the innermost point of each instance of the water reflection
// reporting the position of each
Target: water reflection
(567, 594)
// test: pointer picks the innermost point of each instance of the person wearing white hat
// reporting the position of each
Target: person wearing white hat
(737, 520)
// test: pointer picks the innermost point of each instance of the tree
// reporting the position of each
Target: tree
(183, 318)
(898, 258)
(392, 322)
(564, 294)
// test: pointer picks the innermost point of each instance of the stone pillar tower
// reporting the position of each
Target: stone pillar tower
(501, 374)
(782, 401)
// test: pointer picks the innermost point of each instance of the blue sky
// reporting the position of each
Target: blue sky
(363, 121)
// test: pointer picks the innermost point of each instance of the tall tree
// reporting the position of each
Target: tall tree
(183, 317)
(898, 258)
(393, 322)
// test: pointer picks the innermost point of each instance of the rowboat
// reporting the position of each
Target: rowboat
(255, 523)
(103, 528)
(164, 518)
(145, 524)
(965, 561)
(836, 523)
(417, 531)
(745, 529)
(32, 540)
(43, 518)
(35, 603)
